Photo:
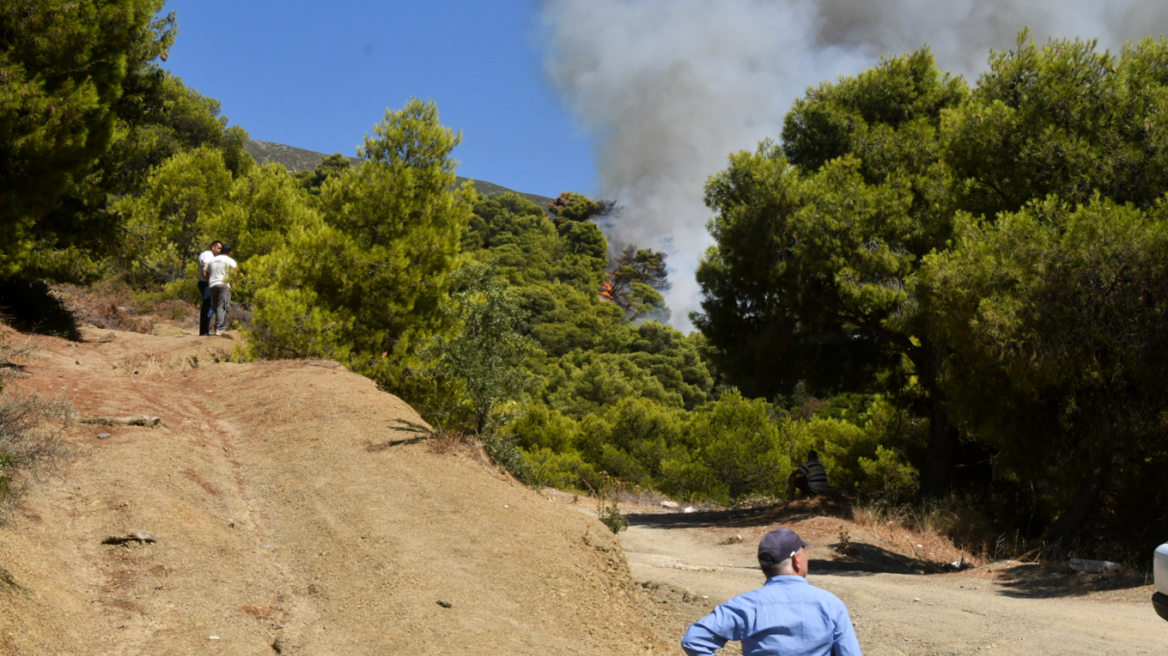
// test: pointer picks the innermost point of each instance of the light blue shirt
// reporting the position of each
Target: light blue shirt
(786, 617)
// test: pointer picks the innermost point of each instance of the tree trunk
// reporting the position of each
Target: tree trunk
(1060, 534)
(937, 477)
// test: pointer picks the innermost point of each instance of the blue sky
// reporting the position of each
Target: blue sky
(318, 75)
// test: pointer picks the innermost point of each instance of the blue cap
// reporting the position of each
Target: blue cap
(779, 545)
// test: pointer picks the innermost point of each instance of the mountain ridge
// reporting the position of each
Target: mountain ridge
(301, 159)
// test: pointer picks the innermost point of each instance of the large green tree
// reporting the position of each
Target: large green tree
(818, 240)
(1051, 301)
(65, 67)
(369, 284)
(1062, 119)
(86, 231)
(1057, 325)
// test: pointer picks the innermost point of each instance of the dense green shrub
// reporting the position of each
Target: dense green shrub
(735, 450)
(565, 470)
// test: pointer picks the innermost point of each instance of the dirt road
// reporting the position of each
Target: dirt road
(998, 608)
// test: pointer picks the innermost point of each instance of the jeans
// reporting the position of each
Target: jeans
(221, 298)
(207, 310)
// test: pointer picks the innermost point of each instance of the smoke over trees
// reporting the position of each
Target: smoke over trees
(994, 258)
(669, 87)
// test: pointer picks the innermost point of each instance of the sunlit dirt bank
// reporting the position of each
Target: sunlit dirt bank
(295, 512)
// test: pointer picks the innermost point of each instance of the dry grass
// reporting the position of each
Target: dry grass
(953, 522)
(30, 432)
(916, 532)
(150, 364)
(463, 444)
(119, 308)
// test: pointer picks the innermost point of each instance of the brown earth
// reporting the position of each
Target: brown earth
(296, 511)
(899, 601)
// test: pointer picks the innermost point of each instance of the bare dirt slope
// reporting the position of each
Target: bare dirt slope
(293, 515)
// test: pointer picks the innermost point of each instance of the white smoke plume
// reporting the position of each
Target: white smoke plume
(669, 88)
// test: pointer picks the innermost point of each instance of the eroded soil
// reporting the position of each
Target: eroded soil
(296, 511)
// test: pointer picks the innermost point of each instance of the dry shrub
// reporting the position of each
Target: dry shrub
(175, 310)
(442, 442)
(30, 430)
(30, 440)
(608, 506)
(9, 358)
(954, 522)
(843, 542)
(238, 317)
(116, 307)
(458, 443)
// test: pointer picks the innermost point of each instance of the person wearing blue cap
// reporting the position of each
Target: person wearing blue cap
(785, 617)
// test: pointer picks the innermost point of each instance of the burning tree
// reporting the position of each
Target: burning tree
(636, 281)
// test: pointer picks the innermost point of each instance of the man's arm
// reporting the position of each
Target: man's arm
(710, 633)
(844, 642)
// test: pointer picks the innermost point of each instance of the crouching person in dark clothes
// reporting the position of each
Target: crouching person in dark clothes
(810, 478)
(785, 617)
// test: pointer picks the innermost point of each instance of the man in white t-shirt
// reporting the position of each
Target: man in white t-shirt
(206, 310)
(218, 274)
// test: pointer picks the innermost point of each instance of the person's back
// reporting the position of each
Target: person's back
(204, 259)
(816, 475)
(219, 270)
(786, 616)
(810, 478)
(206, 311)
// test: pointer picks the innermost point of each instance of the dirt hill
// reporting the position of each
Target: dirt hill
(296, 512)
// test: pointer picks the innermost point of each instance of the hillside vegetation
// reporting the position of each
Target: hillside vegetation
(954, 291)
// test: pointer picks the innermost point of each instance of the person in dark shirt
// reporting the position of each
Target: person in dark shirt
(810, 478)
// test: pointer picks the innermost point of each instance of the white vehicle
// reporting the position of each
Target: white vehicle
(1160, 572)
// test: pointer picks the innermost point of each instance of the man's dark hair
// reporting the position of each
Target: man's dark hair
(215, 242)
(811, 455)
(226, 249)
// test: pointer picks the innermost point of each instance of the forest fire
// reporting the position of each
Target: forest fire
(609, 290)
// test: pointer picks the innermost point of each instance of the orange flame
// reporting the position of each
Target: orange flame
(606, 289)
(609, 292)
